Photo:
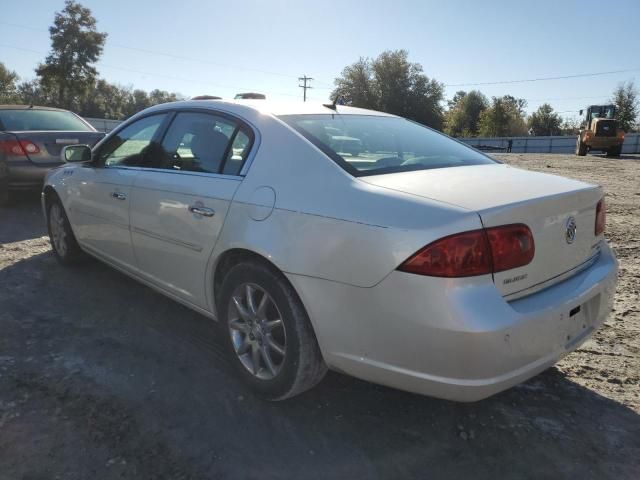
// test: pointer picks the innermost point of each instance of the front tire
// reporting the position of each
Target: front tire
(63, 242)
(581, 148)
(268, 333)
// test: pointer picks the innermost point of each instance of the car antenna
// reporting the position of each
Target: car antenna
(333, 105)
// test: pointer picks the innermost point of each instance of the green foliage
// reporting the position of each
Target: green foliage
(570, 126)
(8, 85)
(463, 116)
(625, 96)
(116, 102)
(545, 121)
(503, 118)
(68, 72)
(392, 84)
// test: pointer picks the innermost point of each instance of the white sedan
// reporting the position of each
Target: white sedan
(412, 261)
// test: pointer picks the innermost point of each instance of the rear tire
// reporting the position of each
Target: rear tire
(581, 148)
(63, 241)
(4, 186)
(614, 151)
(267, 332)
(4, 195)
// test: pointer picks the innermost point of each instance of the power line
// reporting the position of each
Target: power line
(203, 61)
(304, 86)
(541, 79)
(153, 74)
(171, 55)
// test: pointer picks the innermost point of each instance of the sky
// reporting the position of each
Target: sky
(224, 47)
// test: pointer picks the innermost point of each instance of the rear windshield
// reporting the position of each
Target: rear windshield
(51, 120)
(374, 145)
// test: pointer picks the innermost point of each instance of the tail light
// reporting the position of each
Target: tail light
(477, 252)
(601, 217)
(19, 148)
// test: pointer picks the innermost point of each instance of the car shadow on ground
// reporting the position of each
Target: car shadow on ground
(624, 156)
(95, 362)
(22, 218)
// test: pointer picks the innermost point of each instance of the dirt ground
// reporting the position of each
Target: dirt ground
(102, 378)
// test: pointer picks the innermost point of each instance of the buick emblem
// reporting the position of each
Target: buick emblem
(572, 228)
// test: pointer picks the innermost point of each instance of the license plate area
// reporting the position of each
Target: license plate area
(578, 321)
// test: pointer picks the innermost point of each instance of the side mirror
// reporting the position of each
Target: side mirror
(581, 112)
(76, 153)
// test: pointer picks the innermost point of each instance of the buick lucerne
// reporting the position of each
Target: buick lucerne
(324, 236)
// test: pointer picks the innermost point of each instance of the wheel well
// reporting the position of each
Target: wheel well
(232, 257)
(50, 195)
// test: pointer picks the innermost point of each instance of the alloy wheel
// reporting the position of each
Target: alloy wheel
(58, 232)
(257, 331)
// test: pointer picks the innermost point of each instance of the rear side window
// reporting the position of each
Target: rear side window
(374, 145)
(46, 120)
(238, 153)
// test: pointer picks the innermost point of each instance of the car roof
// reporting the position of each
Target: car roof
(30, 107)
(271, 107)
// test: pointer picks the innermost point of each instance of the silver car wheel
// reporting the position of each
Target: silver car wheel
(257, 331)
(58, 231)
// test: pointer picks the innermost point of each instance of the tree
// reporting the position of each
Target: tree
(570, 126)
(8, 85)
(33, 93)
(463, 116)
(106, 100)
(503, 118)
(356, 86)
(162, 96)
(625, 96)
(392, 84)
(68, 71)
(545, 121)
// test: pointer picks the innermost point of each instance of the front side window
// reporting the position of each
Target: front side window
(132, 146)
(374, 145)
(41, 120)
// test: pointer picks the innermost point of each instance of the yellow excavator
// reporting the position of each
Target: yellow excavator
(600, 132)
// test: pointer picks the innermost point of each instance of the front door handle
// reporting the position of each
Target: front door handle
(204, 211)
(118, 195)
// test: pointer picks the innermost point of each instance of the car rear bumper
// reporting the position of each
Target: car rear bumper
(457, 339)
(26, 174)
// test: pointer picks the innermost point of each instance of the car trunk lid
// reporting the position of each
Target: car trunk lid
(50, 144)
(549, 205)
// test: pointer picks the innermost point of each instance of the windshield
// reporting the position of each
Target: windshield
(374, 145)
(49, 120)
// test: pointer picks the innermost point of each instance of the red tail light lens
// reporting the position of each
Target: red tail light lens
(511, 246)
(601, 217)
(477, 252)
(461, 255)
(19, 148)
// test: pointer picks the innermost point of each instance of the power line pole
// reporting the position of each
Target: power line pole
(304, 86)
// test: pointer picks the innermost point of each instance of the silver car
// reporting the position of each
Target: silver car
(413, 261)
(31, 139)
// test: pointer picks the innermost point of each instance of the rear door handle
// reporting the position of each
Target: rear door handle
(118, 195)
(204, 211)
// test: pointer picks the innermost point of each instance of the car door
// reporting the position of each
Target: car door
(100, 192)
(180, 200)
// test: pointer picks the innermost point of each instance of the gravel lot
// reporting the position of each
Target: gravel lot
(101, 377)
